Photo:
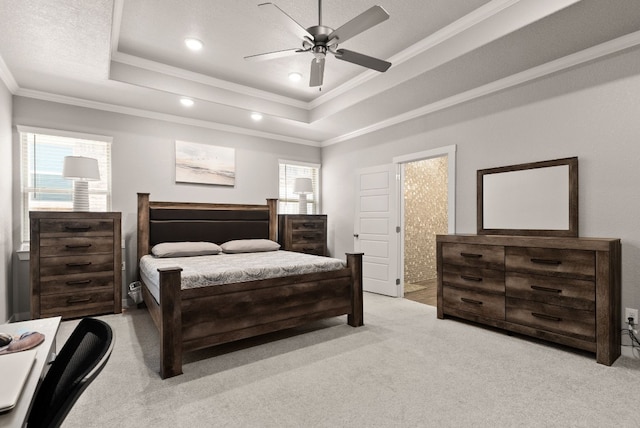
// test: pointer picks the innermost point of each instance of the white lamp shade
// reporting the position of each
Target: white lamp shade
(303, 186)
(80, 168)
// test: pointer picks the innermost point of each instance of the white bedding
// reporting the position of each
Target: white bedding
(220, 269)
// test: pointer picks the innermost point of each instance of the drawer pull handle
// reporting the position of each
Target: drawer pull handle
(471, 278)
(74, 301)
(471, 255)
(78, 228)
(473, 302)
(546, 289)
(78, 246)
(546, 317)
(308, 236)
(310, 225)
(78, 264)
(81, 282)
(546, 261)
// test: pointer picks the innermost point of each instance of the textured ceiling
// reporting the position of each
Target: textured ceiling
(129, 56)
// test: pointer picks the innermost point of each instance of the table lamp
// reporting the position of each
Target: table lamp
(302, 187)
(81, 170)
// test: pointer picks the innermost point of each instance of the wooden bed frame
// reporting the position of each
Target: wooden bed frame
(197, 318)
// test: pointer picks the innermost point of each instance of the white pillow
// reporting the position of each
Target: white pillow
(185, 249)
(249, 246)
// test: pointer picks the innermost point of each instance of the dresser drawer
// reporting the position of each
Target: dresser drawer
(75, 245)
(77, 304)
(65, 265)
(317, 249)
(549, 261)
(558, 319)
(51, 228)
(474, 278)
(569, 292)
(483, 256)
(486, 305)
(73, 283)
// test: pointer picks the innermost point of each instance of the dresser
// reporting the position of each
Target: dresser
(75, 263)
(564, 290)
(304, 233)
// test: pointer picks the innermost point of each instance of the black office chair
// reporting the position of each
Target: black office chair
(81, 359)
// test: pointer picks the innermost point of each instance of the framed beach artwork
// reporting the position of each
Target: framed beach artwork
(205, 164)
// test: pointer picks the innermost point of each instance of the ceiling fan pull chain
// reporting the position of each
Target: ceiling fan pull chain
(319, 12)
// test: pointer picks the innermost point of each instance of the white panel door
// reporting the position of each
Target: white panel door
(375, 232)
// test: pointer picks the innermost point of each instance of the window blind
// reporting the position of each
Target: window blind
(42, 184)
(287, 200)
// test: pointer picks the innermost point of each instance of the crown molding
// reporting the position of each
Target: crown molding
(7, 77)
(204, 79)
(79, 102)
(569, 61)
(457, 27)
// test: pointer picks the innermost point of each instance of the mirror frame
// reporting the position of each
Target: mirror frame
(572, 231)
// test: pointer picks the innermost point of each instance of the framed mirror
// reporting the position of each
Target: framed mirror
(539, 199)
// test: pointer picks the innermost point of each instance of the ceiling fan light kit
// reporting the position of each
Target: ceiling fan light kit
(320, 39)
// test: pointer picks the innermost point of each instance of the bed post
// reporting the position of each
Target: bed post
(143, 226)
(171, 322)
(354, 262)
(273, 219)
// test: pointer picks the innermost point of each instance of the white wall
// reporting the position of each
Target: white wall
(6, 295)
(592, 112)
(143, 160)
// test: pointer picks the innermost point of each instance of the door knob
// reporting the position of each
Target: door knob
(355, 235)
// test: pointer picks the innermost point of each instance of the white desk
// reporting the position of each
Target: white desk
(16, 417)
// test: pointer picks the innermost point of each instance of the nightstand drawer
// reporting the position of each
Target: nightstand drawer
(317, 249)
(482, 256)
(51, 228)
(486, 305)
(75, 245)
(549, 261)
(308, 224)
(65, 265)
(73, 283)
(303, 236)
(558, 319)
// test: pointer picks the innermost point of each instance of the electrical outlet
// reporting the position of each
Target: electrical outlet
(631, 313)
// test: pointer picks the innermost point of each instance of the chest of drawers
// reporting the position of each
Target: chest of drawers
(75, 264)
(565, 290)
(303, 233)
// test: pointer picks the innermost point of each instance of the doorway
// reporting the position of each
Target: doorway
(425, 216)
(427, 209)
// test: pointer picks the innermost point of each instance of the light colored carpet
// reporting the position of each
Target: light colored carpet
(404, 368)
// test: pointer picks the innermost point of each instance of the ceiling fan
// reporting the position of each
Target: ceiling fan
(320, 39)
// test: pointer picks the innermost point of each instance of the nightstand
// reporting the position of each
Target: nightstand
(75, 263)
(303, 233)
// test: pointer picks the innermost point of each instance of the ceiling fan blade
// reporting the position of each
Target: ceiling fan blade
(363, 60)
(283, 18)
(273, 55)
(357, 25)
(317, 72)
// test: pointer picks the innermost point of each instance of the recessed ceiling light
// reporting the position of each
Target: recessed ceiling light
(193, 44)
(295, 76)
(256, 116)
(187, 102)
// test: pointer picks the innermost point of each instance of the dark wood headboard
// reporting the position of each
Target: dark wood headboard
(188, 221)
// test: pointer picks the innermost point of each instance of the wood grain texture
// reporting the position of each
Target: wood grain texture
(195, 318)
(303, 233)
(75, 263)
(565, 290)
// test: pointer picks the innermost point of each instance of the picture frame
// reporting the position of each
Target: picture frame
(205, 164)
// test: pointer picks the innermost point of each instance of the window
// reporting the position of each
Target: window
(43, 187)
(287, 200)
